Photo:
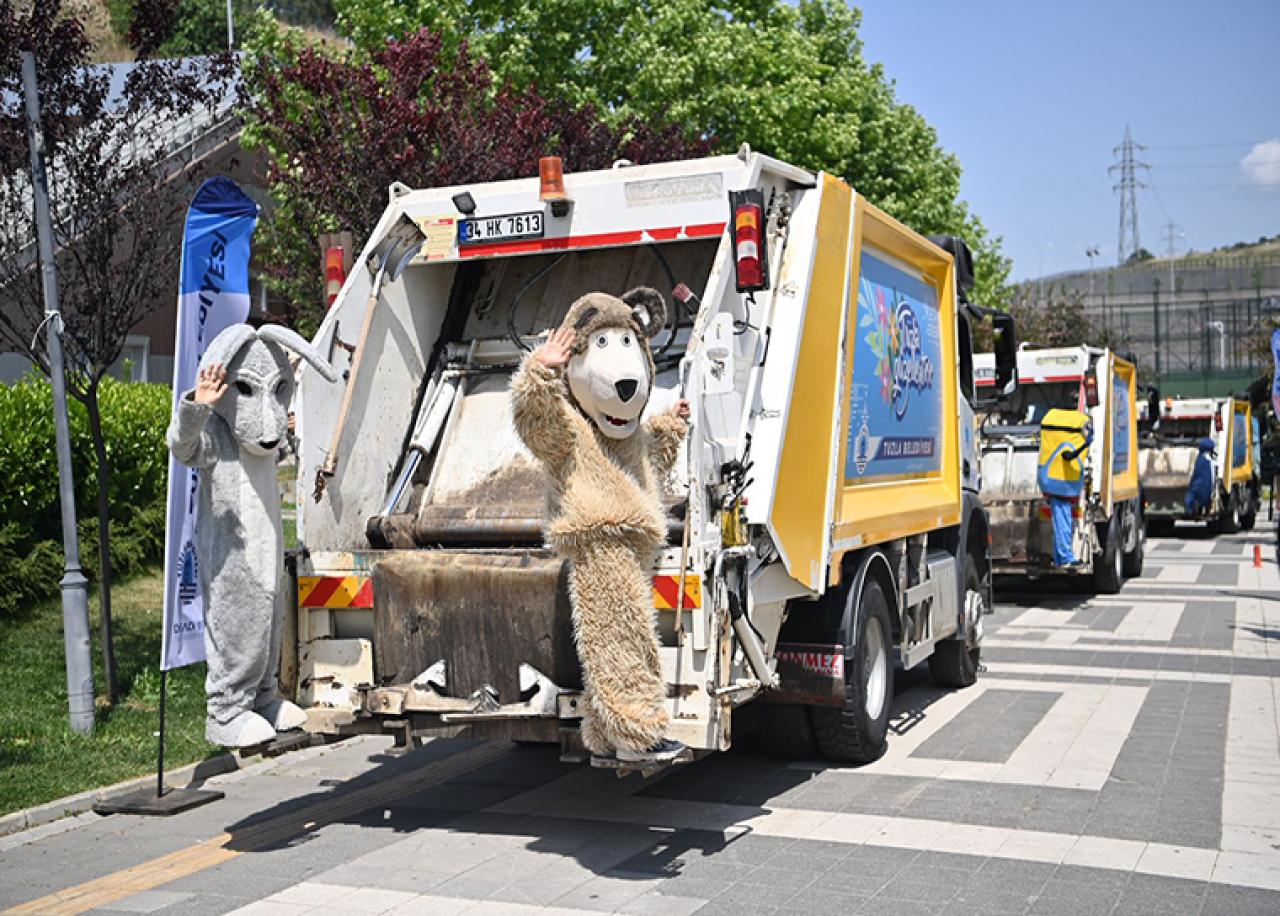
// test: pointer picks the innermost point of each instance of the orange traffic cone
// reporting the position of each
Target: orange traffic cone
(1257, 556)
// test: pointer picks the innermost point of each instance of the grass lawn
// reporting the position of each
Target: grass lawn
(40, 757)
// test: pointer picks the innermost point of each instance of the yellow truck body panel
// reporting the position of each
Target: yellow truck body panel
(1122, 430)
(1240, 444)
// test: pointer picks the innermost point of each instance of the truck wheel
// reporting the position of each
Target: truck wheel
(1134, 559)
(1250, 515)
(1108, 573)
(1230, 522)
(954, 662)
(784, 731)
(856, 734)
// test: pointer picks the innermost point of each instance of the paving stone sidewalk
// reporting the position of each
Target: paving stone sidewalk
(1119, 755)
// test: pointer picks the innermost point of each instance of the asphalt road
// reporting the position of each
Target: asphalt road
(1118, 755)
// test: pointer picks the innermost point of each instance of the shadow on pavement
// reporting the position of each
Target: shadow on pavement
(404, 794)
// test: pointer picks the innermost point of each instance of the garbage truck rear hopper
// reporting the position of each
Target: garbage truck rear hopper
(823, 520)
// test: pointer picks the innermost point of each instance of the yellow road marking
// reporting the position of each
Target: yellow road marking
(172, 866)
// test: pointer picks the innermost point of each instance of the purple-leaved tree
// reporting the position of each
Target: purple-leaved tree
(118, 188)
(338, 128)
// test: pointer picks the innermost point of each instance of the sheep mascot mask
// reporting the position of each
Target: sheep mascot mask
(605, 512)
(232, 438)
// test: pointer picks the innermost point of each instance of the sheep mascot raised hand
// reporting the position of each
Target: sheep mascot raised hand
(577, 402)
(229, 427)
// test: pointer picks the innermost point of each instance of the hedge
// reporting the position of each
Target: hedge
(134, 418)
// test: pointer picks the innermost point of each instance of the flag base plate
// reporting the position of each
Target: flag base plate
(145, 801)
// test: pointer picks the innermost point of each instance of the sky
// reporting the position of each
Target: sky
(1033, 96)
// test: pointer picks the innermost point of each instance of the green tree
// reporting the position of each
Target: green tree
(790, 80)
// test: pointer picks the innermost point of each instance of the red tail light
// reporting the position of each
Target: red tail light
(1217, 422)
(750, 256)
(1091, 391)
(335, 273)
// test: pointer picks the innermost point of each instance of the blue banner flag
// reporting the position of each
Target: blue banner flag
(213, 294)
(1275, 381)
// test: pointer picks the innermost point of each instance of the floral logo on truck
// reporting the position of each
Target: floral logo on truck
(901, 363)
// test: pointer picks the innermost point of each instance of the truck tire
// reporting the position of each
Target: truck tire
(1249, 516)
(784, 731)
(1108, 572)
(1230, 521)
(1134, 559)
(954, 662)
(856, 733)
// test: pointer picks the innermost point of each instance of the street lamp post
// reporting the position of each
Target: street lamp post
(1222, 343)
(1091, 252)
(75, 587)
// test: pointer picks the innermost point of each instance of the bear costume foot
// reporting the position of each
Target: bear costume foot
(245, 730)
(283, 715)
(664, 751)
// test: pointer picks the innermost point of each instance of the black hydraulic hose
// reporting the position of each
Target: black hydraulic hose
(511, 310)
(456, 311)
(675, 314)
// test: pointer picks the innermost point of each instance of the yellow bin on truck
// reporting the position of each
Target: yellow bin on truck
(823, 523)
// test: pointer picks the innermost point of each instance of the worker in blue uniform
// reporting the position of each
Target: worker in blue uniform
(1200, 490)
(1061, 479)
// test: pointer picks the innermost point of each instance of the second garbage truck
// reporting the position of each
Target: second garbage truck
(1078, 406)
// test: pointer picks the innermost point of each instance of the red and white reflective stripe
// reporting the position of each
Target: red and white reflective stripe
(599, 240)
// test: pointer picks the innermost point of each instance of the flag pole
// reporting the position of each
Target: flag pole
(217, 232)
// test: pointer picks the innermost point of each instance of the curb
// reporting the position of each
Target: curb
(39, 815)
(73, 808)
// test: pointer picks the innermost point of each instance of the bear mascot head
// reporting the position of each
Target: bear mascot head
(611, 372)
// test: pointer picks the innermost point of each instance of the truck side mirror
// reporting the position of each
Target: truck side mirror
(1006, 353)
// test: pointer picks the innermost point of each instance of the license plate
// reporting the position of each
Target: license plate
(501, 228)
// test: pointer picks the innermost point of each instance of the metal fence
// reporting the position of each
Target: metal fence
(1204, 316)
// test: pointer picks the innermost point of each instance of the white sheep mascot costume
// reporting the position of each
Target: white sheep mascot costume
(230, 427)
(577, 403)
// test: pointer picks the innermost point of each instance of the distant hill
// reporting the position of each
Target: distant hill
(107, 20)
(1263, 245)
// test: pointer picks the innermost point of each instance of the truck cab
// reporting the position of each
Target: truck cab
(823, 518)
(1108, 534)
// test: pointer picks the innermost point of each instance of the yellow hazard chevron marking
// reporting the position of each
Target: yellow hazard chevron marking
(666, 587)
(335, 591)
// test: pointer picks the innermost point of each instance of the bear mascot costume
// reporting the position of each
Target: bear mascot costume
(229, 427)
(577, 403)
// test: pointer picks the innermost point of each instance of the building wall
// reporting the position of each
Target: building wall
(154, 334)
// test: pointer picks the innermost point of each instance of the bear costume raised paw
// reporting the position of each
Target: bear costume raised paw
(577, 403)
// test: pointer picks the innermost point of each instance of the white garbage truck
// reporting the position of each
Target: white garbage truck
(823, 520)
(1108, 537)
(1167, 454)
